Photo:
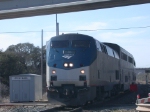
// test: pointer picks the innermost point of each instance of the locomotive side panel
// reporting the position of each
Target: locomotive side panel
(103, 71)
(127, 68)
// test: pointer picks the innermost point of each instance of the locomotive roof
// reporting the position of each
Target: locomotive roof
(118, 48)
(76, 36)
(113, 46)
(71, 36)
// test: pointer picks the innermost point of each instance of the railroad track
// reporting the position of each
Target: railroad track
(38, 107)
(64, 109)
(43, 103)
(121, 100)
(26, 107)
(126, 99)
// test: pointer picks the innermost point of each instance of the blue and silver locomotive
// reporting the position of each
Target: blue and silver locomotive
(81, 69)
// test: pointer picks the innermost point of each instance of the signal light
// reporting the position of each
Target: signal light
(82, 71)
(71, 64)
(53, 72)
(68, 64)
(65, 64)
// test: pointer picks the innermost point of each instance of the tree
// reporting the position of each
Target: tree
(31, 56)
(10, 65)
(21, 58)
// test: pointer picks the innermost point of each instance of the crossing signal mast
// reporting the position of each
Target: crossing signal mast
(57, 27)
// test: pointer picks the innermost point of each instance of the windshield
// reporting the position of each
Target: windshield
(60, 44)
(80, 43)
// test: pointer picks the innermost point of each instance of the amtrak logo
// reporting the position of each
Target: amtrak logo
(67, 56)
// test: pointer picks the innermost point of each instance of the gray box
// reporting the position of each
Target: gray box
(25, 87)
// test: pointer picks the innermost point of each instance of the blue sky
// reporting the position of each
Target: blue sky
(134, 40)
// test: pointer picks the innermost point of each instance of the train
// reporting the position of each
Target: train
(80, 69)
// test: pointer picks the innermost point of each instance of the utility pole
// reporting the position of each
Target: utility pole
(57, 27)
(42, 59)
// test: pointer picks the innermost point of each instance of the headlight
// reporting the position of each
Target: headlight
(71, 64)
(65, 64)
(53, 71)
(82, 71)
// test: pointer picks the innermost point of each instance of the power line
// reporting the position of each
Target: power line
(21, 32)
(125, 28)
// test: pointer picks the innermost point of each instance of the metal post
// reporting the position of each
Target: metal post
(42, 58)
(57, 27)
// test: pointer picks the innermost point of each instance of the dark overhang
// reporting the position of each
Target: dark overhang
(69, 6)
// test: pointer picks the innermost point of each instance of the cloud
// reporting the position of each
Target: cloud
(136, 18)
(7, 40)
(92, 26)
(117, 37)
(35, 38)
(130, 19)
(49, 28)
(47, 36)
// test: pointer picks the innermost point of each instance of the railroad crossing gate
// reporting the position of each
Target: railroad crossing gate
(25, 87)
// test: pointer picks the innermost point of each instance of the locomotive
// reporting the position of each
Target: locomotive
(80, 69)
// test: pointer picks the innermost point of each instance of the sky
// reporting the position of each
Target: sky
(127, 26)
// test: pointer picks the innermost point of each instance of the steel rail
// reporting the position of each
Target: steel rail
(26, 104)
(64, 108)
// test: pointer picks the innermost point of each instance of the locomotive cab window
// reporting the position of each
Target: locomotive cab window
(60, 44)
(104, 50)
(109, 51)
(130, 59)
(134, 63)
(123, 56)
(98, 46)
(80, 43)
(116, 55)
